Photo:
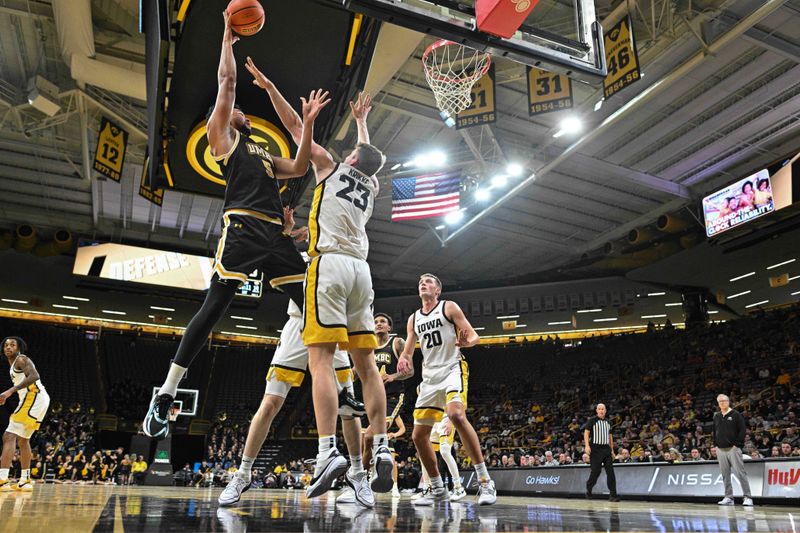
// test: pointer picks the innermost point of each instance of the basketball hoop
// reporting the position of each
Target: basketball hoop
(451, 70)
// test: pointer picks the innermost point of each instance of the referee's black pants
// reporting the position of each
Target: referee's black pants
(601, 458)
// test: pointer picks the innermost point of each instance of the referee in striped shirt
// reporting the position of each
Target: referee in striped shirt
(597, 431)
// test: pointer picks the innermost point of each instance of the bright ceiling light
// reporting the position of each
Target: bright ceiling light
(499, 181)
(522, 325)
(756, 303)
(11, 301)
(781, 264)
(562, 323)
(110, 312)
(604, 319)
(673, 304)
(654, 316)
(732, 296)
(433, 159)
(157, 308)
(737, 278)
(795, 293)
(794, 278)
(482, 195)
(569, 126)
(589, 310)
(241, 318)
(713, 312)
(507, 317)
(514, 169)
(656, 293)
(480, 328)
(76, 298)
(454, 217)
(60, 306)
(245, 327)
(396, 166)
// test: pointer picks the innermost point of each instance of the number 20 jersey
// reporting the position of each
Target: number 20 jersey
(342, 205)
(437, 339)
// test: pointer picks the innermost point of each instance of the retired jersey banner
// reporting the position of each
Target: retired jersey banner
(112, 142)
(548, 91)
(621, 58)
(481, 110)
(156, 196)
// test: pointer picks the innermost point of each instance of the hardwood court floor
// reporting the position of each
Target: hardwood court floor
(68, 508)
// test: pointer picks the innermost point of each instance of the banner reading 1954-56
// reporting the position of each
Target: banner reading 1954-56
(621, 58)
(548, 92)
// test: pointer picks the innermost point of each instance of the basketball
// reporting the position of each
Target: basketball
(247, 16)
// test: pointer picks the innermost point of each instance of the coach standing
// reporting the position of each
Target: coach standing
(728, 433)
(597, 431)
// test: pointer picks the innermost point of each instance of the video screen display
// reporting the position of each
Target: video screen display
(154, 267)
(739, 202)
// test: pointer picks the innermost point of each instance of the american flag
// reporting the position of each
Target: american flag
(425, 196)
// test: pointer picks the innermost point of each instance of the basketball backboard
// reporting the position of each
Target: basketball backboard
(186, 402)
(578, 54)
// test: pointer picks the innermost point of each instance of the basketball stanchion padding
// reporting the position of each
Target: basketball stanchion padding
(502, 18)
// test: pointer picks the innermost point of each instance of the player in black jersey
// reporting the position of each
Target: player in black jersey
(386, 356)
(253, 235)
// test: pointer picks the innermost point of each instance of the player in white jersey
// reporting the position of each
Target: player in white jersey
(33, 404)
(338, 289)
(442, 330)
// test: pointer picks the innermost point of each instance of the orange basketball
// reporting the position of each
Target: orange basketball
(246, 16)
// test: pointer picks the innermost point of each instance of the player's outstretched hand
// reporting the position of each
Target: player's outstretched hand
(362, 106)
(317, 100)
(229, 36)
(288, 220)
(403, 365)
(5, 396)
(259, 80)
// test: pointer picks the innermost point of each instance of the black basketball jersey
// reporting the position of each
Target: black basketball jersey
(386, 361)
(249, 172)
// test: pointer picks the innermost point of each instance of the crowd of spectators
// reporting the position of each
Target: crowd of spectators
(127, 398)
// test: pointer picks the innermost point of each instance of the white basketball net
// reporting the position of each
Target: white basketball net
(451, 70)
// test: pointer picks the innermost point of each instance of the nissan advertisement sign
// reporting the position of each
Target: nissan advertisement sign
(768, 478)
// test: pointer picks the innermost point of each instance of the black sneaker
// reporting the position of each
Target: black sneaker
(588, 494)
(156, 423)
(614, 498)
(349, 406)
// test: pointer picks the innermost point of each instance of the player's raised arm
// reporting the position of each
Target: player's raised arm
(360, 109)
(405, 364)
(219, 130)
(466, 333)
(290, 168)
(320, 157)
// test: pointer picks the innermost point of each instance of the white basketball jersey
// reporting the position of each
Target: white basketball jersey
(17, 377)
(342, 205)
(294, 311)
(437, 338)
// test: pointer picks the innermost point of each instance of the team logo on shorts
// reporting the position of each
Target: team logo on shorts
(266, 134)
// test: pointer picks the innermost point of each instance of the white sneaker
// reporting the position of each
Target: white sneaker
(395, 491)
(233, 492)
(346, 496)
(748, 502)
(419, 495)
(27, 486)
(431, 496)
(361, 489)
(487, 494)
(725, 501)
(383, 464)
(328, 468)
(457, 494)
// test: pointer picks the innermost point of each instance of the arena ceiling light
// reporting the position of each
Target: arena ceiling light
(240, 326)
(480, 328)
(588, 310)
(454, 217)
(737, 278)
(482, 195)
(247, 318)
(732, 296)
(76, 298)
(396, 166)
(11, 301)
(762, 302)
(656, 293)
(673, 304)
(561, 323)
(794, 278)
(569, 126)
(713, 312)
(500, 180)
(112, 312)
(514, 169)
(153, 317)
(522, 325)
(61, 306)
(654, 316)
(434, 159)
(507, 317)
(157, 308)
(605, 319)
(795, 293)
(781, 264)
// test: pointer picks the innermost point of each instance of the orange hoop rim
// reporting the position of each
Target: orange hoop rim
(478, 74)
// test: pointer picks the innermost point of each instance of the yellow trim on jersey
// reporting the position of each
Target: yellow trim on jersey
(286, 375)
(396, 411)
(464, 385)
(313, 331)
(313, 226)
(283, 280)
(224, 157)
(362, 340)
(344, 375)
(436, 446)
(221, 271)
(450, 438)
(428, 413)
(22, 414)
(255, 214)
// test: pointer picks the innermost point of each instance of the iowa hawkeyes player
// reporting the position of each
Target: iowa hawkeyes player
(253, 219)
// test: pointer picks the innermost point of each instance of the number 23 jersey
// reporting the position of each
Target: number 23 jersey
(342, 205)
